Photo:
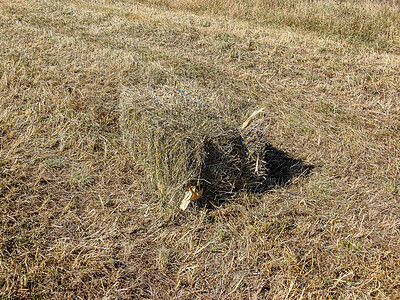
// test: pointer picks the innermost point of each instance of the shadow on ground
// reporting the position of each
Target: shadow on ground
(278, 170)
(281, 169)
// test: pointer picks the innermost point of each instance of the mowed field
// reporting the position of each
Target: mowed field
(76, 219)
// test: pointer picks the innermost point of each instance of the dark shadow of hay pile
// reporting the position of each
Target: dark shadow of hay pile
(177, 142)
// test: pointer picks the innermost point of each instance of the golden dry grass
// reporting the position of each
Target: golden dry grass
(76, 221)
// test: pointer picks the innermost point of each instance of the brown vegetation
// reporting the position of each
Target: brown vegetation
(76, 218)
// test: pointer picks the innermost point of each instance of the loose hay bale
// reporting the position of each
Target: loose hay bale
(179, 143)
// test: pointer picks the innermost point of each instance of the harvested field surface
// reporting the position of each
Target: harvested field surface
(77, 218)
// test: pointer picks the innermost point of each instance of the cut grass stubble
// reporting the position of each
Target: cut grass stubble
(76, 220)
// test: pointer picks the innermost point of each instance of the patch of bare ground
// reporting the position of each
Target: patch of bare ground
(76, 221)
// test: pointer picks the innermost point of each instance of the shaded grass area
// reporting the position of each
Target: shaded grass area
(75, 218)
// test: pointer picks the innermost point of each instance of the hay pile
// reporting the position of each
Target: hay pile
(180, 144)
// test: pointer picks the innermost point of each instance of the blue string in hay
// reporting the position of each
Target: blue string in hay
(173, 113)
(193, 100)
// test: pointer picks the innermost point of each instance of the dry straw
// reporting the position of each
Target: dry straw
(184, 147)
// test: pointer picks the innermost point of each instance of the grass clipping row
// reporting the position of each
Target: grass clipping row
(186, 150)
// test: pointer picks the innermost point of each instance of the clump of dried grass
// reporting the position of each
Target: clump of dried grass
(178, 142)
